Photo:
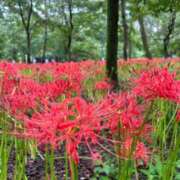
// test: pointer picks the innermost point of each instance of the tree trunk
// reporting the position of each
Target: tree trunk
(130, 42)
(71, 26)
(28, 35)
(125, 29)
(14, 54)
(130, 48)
(45, 31)
(112, 40)
(170, 30)
(26, 23)
(69, 23)
(144, 37)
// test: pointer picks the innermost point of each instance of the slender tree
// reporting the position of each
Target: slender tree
(71, 26)
(144, 37)
(45, 30)
(68, 17)
(26, 21)
(130, 43)
(112, 40)
(169, 32)
(125, 29)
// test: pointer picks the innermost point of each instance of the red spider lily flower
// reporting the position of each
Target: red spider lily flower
(123, 110)
(141, 153)
(96, 156)
(125, 117)
(56, 88)
(50, 114)
(72, 121)
(102, 85)
(23, 97)
(126, 148)
(135, 150)
(178, 116)
(158, 83)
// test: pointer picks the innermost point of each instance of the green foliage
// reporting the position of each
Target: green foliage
(156, 170)
(106, 171)
(89, 28)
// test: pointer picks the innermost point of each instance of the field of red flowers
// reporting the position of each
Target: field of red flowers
(61, 110)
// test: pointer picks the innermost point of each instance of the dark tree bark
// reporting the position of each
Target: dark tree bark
(28, 46)
(130, 47)
(14, 53)
(71, 27)
(26, 23)
(125, 29)
(170, 30)
(144, 37)
(112, 40)
(130, 41)
(45, 30)
(69, 23)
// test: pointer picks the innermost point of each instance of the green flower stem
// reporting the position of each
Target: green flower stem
(66, 165)
(74, 169)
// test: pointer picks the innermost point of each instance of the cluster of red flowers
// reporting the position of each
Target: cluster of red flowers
(48, 103)
(124, 118)
(102, 85)
(158, 83)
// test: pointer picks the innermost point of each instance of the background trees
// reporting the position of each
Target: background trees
(76, 29)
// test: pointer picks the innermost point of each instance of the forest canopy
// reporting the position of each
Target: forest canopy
(76, 29)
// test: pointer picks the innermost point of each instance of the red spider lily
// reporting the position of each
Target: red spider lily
(141, 153)
(136, 150)
(178, 116)
(57, 88)
(22, 97)
(72, 121)
(50, 114)
(102, 85)
(158, 83)
(125, 117)
(8, 79)
(123, 109)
